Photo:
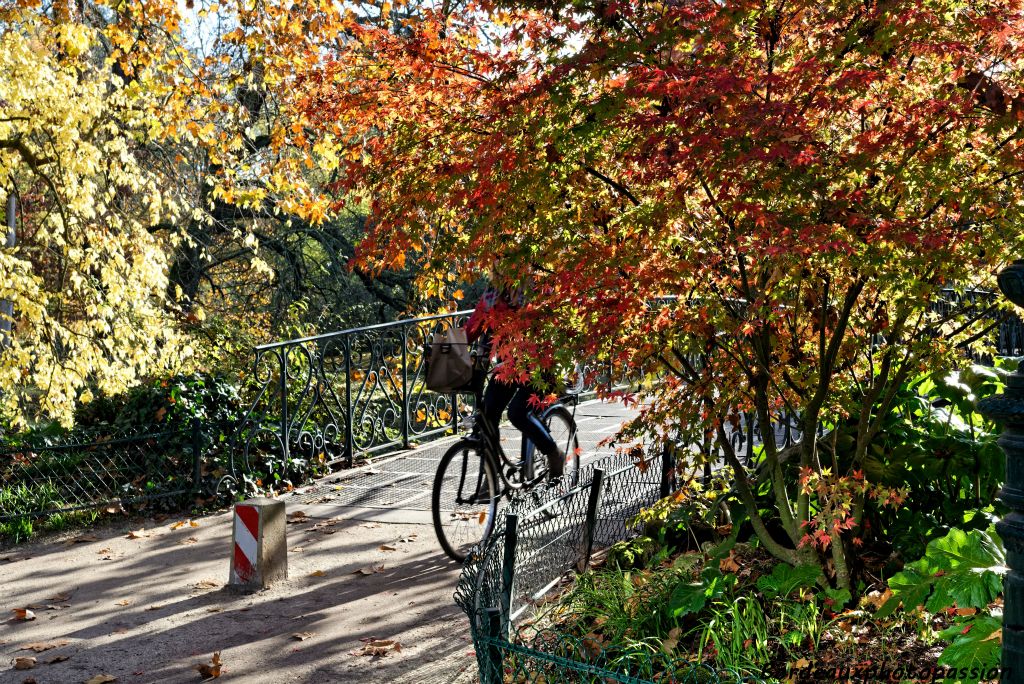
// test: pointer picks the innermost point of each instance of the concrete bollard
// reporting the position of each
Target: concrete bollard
(259, 554)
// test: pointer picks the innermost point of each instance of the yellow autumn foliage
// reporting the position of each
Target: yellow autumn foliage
(87, 278)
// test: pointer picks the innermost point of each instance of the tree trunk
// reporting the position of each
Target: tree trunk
(6, 305)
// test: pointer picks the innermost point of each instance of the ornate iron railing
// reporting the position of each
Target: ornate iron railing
(332, 398)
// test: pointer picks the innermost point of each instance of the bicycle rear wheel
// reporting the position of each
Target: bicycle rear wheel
(563, 430)
(465, 498)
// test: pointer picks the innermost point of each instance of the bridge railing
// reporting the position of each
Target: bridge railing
(332, 398)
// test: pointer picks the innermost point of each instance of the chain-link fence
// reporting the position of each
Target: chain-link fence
(41, 477)
(541, 537)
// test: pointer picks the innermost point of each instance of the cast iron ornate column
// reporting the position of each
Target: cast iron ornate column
(1008, 408)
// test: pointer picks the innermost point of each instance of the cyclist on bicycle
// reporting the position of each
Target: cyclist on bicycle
(516, 396)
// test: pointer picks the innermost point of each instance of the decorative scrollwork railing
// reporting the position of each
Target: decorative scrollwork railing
(331, 398)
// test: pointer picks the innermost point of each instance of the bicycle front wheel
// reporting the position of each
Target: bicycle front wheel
(465, 498)
(563, 430)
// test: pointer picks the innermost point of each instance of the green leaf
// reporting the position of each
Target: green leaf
(979, 648)
(962, 569)
(959, 549)
(691, 597)
(839, 597)
(688, 597)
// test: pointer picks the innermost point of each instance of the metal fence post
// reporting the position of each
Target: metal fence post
(508, 564)
(668, 470)
(283, 386)
(197, 453)
(493, 673)
(1008, 408)
(405, 387)
(596, 489)
(455, 413)
(349, 437)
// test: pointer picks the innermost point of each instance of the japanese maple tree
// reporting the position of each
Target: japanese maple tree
(764, 199)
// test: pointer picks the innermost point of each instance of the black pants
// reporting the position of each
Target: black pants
(517, 397)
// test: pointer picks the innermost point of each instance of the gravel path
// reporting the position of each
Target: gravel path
(148, 609)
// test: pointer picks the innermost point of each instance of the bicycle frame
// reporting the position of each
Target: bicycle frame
(491, 437)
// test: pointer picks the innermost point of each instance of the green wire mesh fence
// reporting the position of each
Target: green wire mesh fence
(541, 537)
(43, 477)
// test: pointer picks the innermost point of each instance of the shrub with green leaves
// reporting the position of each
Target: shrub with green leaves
(934, 444)
(962, 571)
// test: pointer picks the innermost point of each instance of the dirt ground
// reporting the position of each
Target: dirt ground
(149, 606)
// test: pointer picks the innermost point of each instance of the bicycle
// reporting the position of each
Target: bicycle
(476, 473)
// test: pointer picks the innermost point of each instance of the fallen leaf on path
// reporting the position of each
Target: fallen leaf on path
(182, 523)
(103, 551)
(56, 607)
(24, 663)
(60, 598)
(190, 540)
(298, 550)
(387, 547)
(137, 534)
(302, 636)
(206, 584)
(23, 614)
(380, 648)
(120, 630)
(369, 570)
(211, 671)
(29, 680)
(82, 539)
(57, 659)
(317, 573)
(40, 646)
(407, 540)
(101, 679)
(124, 602)
(156, 606)
(297, 517)
(214, 609)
